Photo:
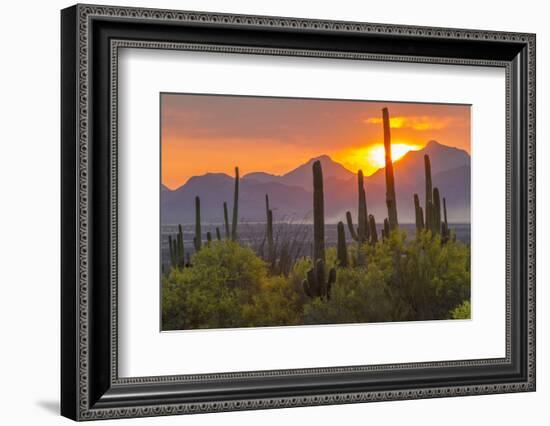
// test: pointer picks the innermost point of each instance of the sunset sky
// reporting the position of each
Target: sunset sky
(207, 133)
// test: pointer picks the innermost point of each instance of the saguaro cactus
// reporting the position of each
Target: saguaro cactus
(172, 251)
(342, 249)
(436, 214)
(372, 230)
(428, 201)
(318, 213)
(269, 232)
(362, 233)
(387, 229)
(419, 216)
(218, 235)
(226, 221)
(391, 200)
(180, 256)
(175, 245)
(235, 206)
(316, 284)
(445, 233)
(197, 240)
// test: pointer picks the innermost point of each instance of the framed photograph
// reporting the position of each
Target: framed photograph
(263, 212)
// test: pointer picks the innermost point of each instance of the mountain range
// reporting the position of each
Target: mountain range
(290, 194)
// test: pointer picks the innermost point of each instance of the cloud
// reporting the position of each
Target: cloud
(415, 122)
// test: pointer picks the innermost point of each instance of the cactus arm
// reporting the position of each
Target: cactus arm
(352, 232)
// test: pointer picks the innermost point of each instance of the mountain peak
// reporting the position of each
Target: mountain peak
(432, 143)
(435, 146)
(322, 158)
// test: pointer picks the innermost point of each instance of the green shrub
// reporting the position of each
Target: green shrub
(401, 280)
(462, 311)
(216, 291)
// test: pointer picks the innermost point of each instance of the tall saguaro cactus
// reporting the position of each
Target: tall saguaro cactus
(231, 231)
(318, 213)
(316, 284)
(269, 232)
(180, 255)
(391, 200)
(428, 200)
(235, 206)
(342, 249)
(226, 221)
(198, 238)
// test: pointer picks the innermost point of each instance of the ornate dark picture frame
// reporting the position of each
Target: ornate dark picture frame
(90, 385)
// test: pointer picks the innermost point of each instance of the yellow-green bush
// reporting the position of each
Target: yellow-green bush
(401, 280)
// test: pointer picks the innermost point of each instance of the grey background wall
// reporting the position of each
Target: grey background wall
(29, 211)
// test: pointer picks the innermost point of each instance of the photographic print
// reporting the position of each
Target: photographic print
(293, 211)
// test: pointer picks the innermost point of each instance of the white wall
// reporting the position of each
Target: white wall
(29, 212)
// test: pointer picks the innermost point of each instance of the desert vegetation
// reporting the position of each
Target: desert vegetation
(367, 277)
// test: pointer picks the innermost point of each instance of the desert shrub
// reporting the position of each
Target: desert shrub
(429, 277)
(215, 291)
(462, 311)
(402, 280)
(230, 286)
(359, 295)
(276, 304)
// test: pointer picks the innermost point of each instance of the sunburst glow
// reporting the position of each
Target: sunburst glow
(376, 156)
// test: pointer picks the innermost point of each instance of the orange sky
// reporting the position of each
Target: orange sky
(209, 133)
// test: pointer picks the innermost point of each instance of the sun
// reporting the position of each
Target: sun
(375, 155)
(370, 158)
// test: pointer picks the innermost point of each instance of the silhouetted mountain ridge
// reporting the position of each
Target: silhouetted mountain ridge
(290, 193)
